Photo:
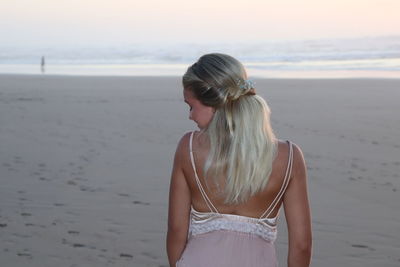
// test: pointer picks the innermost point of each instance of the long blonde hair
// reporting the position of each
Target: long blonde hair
(242, 143)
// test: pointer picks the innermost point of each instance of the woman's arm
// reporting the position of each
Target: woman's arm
(179, 206)
(297, 213)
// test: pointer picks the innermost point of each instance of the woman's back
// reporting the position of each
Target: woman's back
(255, 205)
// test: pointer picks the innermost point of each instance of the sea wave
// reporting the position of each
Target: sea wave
(369, 53)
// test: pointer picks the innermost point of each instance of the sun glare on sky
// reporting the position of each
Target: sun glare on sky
(128, 21)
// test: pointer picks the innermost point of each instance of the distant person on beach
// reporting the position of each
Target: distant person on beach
(42, 64)
(230, 178)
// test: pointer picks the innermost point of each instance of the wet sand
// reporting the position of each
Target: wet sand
(85, 165)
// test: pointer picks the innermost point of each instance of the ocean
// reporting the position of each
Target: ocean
(368, 57)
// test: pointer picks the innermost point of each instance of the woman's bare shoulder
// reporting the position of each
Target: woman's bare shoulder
(283, 146)
(283, 154)
(183, 143)
(298, 157)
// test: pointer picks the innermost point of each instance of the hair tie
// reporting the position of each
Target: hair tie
(251, 92)
(245, 84)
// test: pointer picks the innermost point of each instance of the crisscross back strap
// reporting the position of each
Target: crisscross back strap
(285, 184)
(203, 193)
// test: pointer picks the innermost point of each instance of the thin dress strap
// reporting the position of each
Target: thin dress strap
(203, 193)
(285, 184)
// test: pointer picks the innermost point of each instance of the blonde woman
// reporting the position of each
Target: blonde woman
(230, 179)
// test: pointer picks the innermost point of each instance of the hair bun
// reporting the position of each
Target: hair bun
(246, 88)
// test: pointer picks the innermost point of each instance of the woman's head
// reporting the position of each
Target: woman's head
(215, 79)
(224, 105)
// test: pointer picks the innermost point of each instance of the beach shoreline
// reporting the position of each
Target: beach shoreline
(176, 70)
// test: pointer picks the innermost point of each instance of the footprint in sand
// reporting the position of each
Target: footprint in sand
(24, 254)
(359, 246)
(85, 188)
(42, 165)
(21, 235)
(362, 246)
(126, 255)
(72, 232)
(35, 225)
(78, 245)
(71, 182)
(137, 202)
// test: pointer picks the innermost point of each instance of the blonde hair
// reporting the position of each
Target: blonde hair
(242, 143)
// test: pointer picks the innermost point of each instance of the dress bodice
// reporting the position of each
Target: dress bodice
(204, 222)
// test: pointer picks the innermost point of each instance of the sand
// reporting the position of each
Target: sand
(85, 164)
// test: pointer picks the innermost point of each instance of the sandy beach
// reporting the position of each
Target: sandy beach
(85, 164)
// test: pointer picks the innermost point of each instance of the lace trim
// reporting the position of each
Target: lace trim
(208, 222)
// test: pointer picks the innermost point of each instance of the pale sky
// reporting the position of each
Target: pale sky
(93, 22)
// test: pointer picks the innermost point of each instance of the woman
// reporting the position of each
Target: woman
(230, 178)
